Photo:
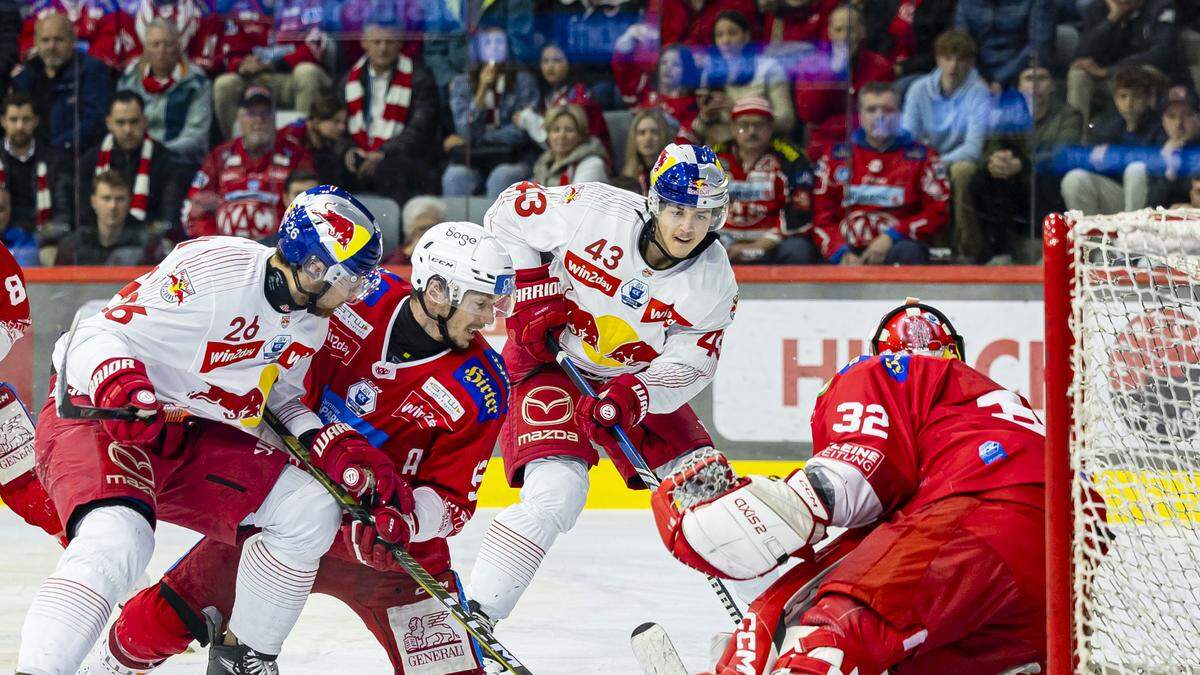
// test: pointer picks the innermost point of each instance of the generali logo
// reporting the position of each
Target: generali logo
(220, 354)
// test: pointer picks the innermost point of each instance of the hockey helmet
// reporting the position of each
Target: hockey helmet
(690, 175)
(917, 328)
(469, 259)
(330, 235)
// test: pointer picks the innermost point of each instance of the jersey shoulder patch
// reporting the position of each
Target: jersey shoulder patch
(485, 384)
(896, 366)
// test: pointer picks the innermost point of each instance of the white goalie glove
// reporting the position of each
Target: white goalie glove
(747, 529)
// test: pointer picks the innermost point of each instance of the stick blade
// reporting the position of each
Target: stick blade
(655, 652)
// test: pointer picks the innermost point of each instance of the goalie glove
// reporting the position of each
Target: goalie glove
(746, 531)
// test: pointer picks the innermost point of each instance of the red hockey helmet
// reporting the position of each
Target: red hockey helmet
(919, 328)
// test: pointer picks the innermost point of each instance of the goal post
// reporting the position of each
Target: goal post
(1122, 303)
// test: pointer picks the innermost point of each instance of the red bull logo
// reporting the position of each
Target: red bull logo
(177, 287)
(341, 228)
(633, 353)
(583, 325)
(233, 406)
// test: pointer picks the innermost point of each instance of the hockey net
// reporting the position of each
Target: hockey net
(1123, 448)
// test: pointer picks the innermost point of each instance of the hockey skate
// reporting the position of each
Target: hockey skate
(102, 661)
(239, 659)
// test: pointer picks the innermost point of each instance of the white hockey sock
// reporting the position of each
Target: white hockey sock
(517, 540)
(270, 595)
(112, 546)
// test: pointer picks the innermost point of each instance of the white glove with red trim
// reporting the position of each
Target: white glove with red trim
(746, 531)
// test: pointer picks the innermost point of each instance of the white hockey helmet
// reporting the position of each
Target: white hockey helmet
(468, 259)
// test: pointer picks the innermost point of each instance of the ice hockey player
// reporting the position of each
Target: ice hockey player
(222, 327)
(948, 464)
(409, 370)
(645, 295)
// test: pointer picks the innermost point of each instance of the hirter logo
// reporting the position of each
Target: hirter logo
(591, 276)
(341, 228)
(658, 311)
(221, 354)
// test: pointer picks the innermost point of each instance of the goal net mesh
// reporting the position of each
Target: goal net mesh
(1135, 441)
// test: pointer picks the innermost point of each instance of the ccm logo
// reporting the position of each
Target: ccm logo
(751, 517)
(548, 435)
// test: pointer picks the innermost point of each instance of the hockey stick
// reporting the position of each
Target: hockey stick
(69, 410)
(481, 633)
(649, 478)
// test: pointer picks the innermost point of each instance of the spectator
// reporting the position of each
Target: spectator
(649, 132)
(238, 189)
(111, 236)
(737, 67)
(70, 90)
(903, 31)
(347, 19)
(197, 27)
(323, 135)
(948, 110)
(1193, 197)
(10, 29)
(825, 88)
(692, 22)
(284, 55)
(558, 87)
(418, 215)
(1097, 186)
(449, 55)
(1189, 40)
(1030, 127)
(677, 78)
(1009, 33)
(770, 191)
(392, 112)
(571, 156)
(881, 197)
(155, 173)
(29, 171)
(298, 181)
(586, 33)
(1116, 34)
(177, 94)
(19, 242)
(1169, 170)
(483, 101)
(100, 25)
(796, 21)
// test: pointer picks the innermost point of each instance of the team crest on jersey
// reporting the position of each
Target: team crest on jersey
(490, 396)
(177, 287)
(572, 194)
(361, 397)
(896, 366)
(991, 451)
(635, 293)
(275, 347)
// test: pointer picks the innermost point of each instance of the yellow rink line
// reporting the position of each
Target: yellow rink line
(608, 490)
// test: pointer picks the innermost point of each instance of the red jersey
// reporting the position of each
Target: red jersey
(861, 193)
(294, 35)
(200, 28)
(103, 29)
(438, 418)
(809, 23)
(899, 432)
(238, 195)
(14, 307)
(774, 196)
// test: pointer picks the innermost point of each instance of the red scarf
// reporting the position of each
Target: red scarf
(141, 181)
(42, 198)
(395, 109)
(154, 85)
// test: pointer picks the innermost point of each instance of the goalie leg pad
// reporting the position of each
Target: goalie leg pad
(552, 498)
(109, 552)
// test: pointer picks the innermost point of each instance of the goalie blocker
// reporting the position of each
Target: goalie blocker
(947, 466)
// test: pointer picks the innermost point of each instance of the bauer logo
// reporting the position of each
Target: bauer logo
(991, 451)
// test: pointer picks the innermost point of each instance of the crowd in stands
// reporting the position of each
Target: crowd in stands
(854, 132)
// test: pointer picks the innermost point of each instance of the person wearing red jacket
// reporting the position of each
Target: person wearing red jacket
(408, 369)
(691, 22)
(199, 27)
(101, 25)
(948, 468)
(238, 189)
(879, 198)
(797, 21)
(827, 81)
(282, 51)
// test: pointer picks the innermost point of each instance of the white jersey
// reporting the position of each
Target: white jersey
(624, 317)
(210, 341)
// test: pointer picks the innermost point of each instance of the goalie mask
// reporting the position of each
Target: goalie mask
(917, 328)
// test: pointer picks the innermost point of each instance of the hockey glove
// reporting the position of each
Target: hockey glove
(364, 470)
(391, 526)
(121, 383)
(623, 401)
(538, 311)
(745, 532)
